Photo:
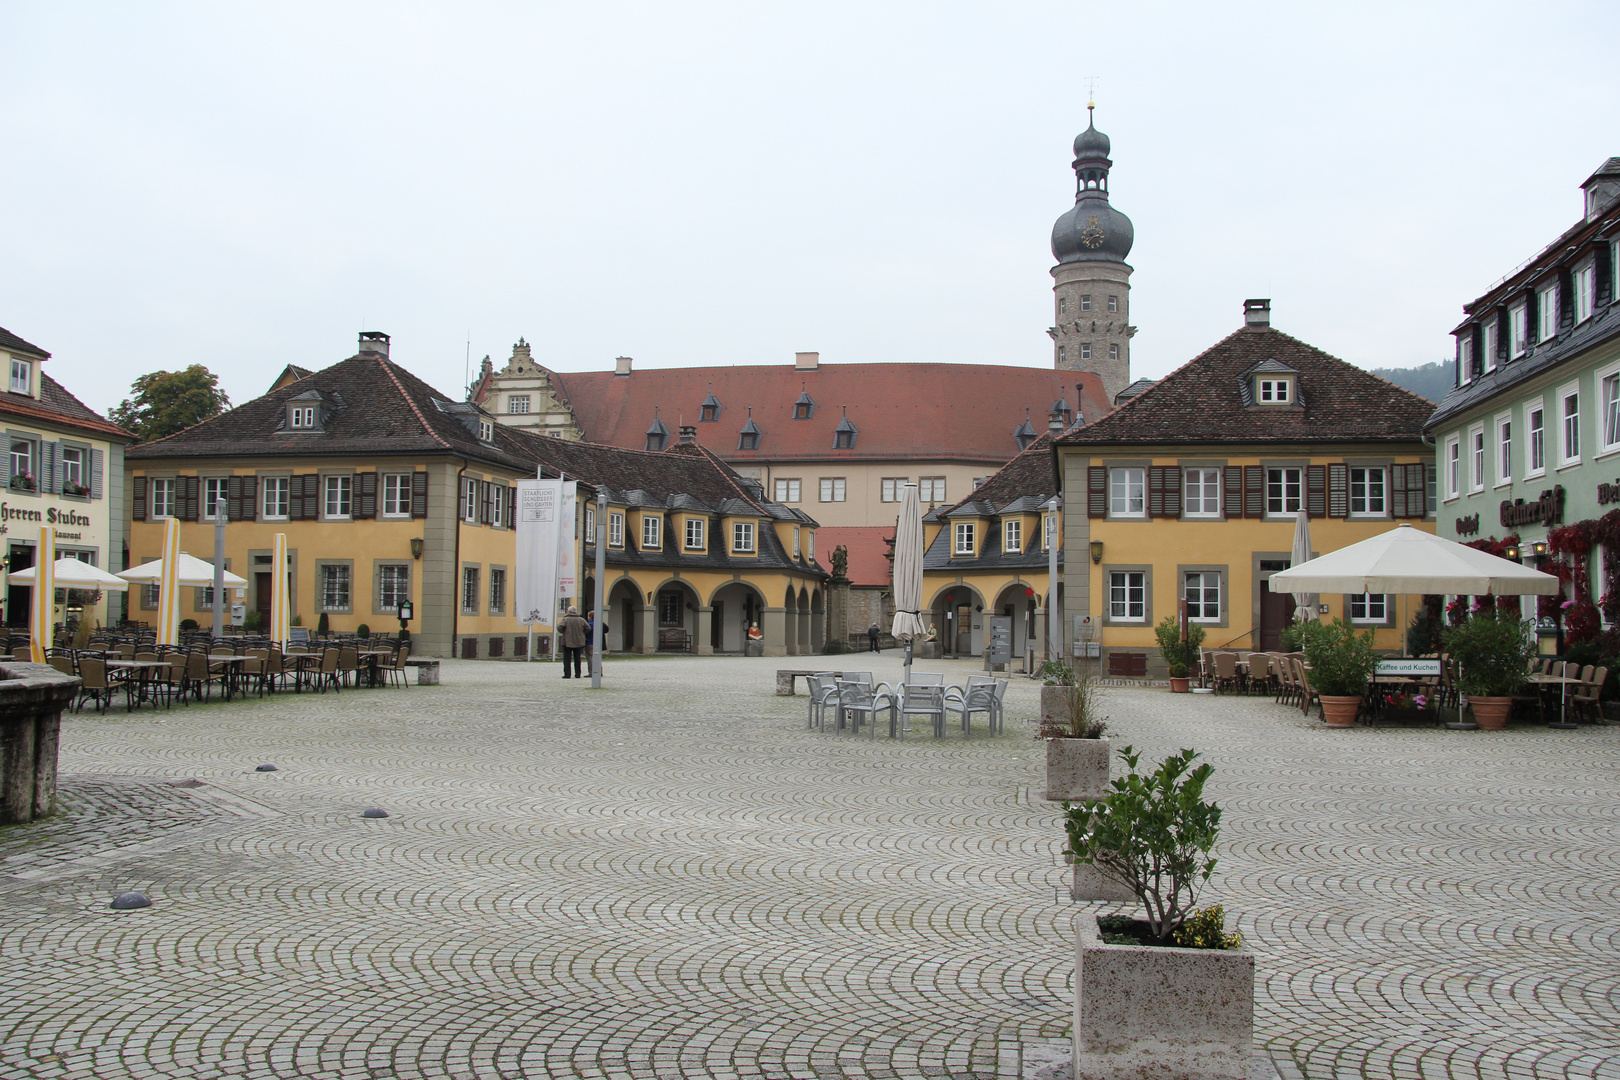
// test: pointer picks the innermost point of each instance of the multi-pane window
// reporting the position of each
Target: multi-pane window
(1274, 390)
(1490, 344)
(396, 492)
(486, 431)
(787, 491)
(72, 470)
(964, 538)
(670, 608)
(1609, 393)
(1546, 313)
(1453, 456)
(810, 544)
(469, 590)
(213, 498)
(615, 530)
(162, 499)
(1063, 354)
(1537, 423)
(1012, 536)
(832, 489)
(469, 500)
(1504, 446)
(1367, 492)
(1202, 588)
(497, 590)
(1465, 358)
(1583, 281)
(274, 500)
(335, 581)
(1519, 330)
(1113, 352)
(795, 541)
(1127, 595)
(1201, 493)
(22, 459)
(1476, 458)
(339, 496)
(393, 585)
(1126, 492)
(652, 531)
(21, 375)
(1085, 303)
(1570, 407)
(517, 403)
(302, 417)
(893, 488)
(1369, 607)
(1283, 490)
(497, 505)
(1063, 305)
(931, 489)
(742, 536)
(1085, 350)
(694, 534)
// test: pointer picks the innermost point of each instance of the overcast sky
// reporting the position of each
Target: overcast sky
(244, 186)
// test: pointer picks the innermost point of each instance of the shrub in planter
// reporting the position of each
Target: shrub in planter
(362, 630)
(1342, 661)
(188, 624)
(1173, 649)
(1291, 638)
(323, 625)
(1076, 752)
(1492, 651)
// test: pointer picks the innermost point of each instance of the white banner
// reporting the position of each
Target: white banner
(538, 505)
(567, 548)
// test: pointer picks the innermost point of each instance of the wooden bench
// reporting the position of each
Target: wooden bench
(674, 641)
(427, 669)
(786, 678)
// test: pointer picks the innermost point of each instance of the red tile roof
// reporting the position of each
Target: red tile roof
(867, 565)
(962, 412)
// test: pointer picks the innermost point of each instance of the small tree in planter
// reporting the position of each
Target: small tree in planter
(1342, 661)
(1172, 994)
(1076, 751)
(1179, 655)
(1492, 651)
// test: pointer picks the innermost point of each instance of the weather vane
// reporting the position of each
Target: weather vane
(1091, 91)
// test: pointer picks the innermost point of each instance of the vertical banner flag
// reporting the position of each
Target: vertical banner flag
(539, 504)
(567, 548)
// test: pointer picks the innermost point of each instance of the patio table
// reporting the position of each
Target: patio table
(233, 676)
(138, 678)
(1546, 682)
(369, 659)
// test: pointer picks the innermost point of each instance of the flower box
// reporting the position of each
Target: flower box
(23, 483)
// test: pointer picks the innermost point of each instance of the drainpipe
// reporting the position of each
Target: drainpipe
(455, 569)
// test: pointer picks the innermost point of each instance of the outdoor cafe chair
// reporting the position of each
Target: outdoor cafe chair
(349, 665)
(22, 653)
(396, 664)
(199, 676)
(327, 674)
(1260, 672)
(1226, 673)
(1307, 694)
(94, 684)
(925, 678)
(62, 661)
(1588, 699)
(978, 698)
(856, 699)
(823, 695)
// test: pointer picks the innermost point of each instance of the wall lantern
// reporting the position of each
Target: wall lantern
(1512, 552)
(1539, 548)
(416, 547)
(1096, 551)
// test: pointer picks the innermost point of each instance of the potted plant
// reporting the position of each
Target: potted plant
(70, 488)
(1342, 661)
(1179, 655)
(22, 481)
(1492, 651)
(1171, 993)
(1076, 750)
(1179, 682)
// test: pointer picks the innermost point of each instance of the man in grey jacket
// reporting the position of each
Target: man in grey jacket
(573, 641)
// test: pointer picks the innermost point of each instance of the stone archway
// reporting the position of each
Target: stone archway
(806, 645)
(621, 610)
(672, 624)
(953, 608)
(818, 620)
(1015, 602)
(790, 621)
(732, 607)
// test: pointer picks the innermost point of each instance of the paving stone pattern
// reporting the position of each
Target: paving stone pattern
(670, 877)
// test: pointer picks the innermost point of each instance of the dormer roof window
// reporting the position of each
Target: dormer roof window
(22, 375)
(657, 435)
(1060, 407)
(1274, 391)
(748, 438)
(710, 410)
(844, 434)
(307, 412)
(1271, 382)
(486, 431)
(1025, 434)
(301, 417)
(805, 407)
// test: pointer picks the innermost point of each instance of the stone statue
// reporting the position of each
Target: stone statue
(840, 562)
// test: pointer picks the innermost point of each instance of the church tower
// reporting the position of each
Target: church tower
(1091, 291)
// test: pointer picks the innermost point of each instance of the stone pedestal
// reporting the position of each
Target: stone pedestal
(32, 697)
(705, 631)
(838, 609)
(773, 625)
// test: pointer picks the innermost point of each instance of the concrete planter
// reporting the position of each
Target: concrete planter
(1340, 711)
(32, 697)
(1054, 709)
(1143, 1012)
(1076, 769)
(1087, 883)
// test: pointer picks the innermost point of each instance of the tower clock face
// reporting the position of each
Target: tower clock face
(1092, 235)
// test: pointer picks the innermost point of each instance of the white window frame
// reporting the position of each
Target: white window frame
(652, 531)
(1518, 330)
(270, 487)
(931, 489)
(1275, 391)
(615, 529)
(1547, 313)
(1488, 330)
(1120, 595)
(164, 507)
(1085, 302)
(788, 489)
(1465, 357)
(1374, 495)
(333, 572)
(1113, 305)
(1063, 305)
(892, 488)
(1453, 466)
(834, 488)
(73, 468)
(214, 492)
(963, 535)
(1504, 449)
(1535, 438)
(517, 404)
(393, 583)
(469, 588)
(341, 508)
(1113, 352)
(1203, 585)
(810, 544)
(469, 500)
(22, 376)
(1085, 350)
(1607, 381)
(497, 590)
(1569, 425)
(1365, 604)
(1477, 459)
(694, 534)
(1583, 290)
(1204, 492)
(400, 495)
(796, 541)
(486, 431)
(1012, 536)
(1127, 491)
(1298, 484)
(497, 505)
(301, 417)
(742, 537)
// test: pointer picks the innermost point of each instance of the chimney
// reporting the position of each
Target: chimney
(688, 433)
(1602, 187)
(806, 361)
(1054, 422)
(621, 366)
(1257, 314)
(374, 341)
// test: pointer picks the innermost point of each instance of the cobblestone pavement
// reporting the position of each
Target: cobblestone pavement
(670, 877)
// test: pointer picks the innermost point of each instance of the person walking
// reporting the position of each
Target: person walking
(574, 641)
(872, 635)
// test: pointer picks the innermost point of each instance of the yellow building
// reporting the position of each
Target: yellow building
(1191, 490)
(63, 467)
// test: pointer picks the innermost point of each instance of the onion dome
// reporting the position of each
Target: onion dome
(1093, 231)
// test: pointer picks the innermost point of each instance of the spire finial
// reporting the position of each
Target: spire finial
(1091, 93)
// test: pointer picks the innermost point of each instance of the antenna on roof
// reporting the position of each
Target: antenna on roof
(1091, 91)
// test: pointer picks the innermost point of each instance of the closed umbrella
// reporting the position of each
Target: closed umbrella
(280, 628)
(1304, 602)
(908, 572)
(168, 617)
(42, 605)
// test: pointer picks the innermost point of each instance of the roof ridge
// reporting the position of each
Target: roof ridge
(387, 367)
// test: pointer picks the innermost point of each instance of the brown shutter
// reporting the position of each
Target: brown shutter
(419, 486)
(1338, 490)
(366, 500)
(486, 495)
(233, 499)
(1254, 491)
(1155, 493)
(295, 498)
(188, 501)
(1172, 491)
(250, 498)
(510, 517)
(1397, 492)
(304, 497)
(1316, 491)
(1417, 491)
(1097, 494)
(1234, 491)
(137, 503)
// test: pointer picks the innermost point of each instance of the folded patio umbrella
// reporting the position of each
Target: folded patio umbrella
(908, 572)
(1304, 600)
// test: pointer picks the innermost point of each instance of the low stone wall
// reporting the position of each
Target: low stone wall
(32, 697)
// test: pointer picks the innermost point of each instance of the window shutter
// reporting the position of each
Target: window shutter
(5, 467)
(137, 497)
(1172, 491)
(1234, 491)
(312, 496)
(1316, 491)
(486, 493)
(304, 497)
(1417, 500)
(510, 517)
(1431, 477)
(1097, 493)
(1155, 507)
(1254, 491)
(1338, 477)
(419, 486)
(189, 501)
(233, 499)
(250, 498)
(365, 495)
(295, 498)
(1397, 492)
(96, 457)
(47, 467)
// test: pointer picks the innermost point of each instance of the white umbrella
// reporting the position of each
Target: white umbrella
(1411, 561)
(71, 573)
(192, 571)
(908, 572)
(1304, 602)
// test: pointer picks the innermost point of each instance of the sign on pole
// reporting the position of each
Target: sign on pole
(539, 506)
(567, 572)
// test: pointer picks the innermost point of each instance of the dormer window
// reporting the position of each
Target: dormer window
(748, 438)
(1275, 391)
(657, 435)
(710, 409)
(301, 417)
(805, 407)
(844, 434)
(1025, 433)
(486, 431)
(22, 376)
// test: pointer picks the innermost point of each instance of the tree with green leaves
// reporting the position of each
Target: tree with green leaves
(163, 402)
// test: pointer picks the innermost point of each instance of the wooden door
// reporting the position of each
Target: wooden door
(1276, 610)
